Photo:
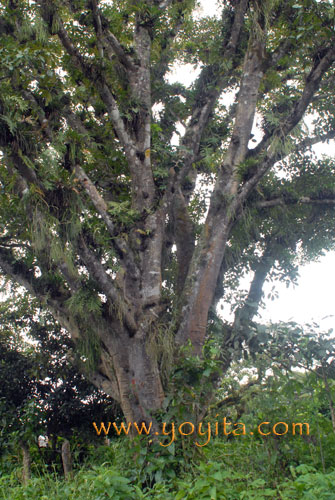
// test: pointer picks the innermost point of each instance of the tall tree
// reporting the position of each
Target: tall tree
(103, 218)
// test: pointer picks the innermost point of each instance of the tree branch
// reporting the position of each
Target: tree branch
(103, 383)
(96, 198)
(308, 142)
(97, 26)
(105, 37)
(105, 282)
(93, 73)
(245, 313)
(102, 209)
(118, 50)
(312, 85)
(303, 200)
(183, 230)
(209, 93)
(19, 272)
(162, 66)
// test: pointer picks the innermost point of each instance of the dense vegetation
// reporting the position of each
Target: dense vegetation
(243, 467)
(292, 380)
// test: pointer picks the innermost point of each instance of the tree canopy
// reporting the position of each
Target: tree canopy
(130, 237)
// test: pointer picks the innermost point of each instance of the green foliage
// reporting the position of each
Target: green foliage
(41, 391)
(208, 481)
(122, 212)
(84, 303)
(244, 467)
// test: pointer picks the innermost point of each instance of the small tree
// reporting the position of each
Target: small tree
(41, 391)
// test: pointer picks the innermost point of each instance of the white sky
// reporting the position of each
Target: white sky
(313, 299)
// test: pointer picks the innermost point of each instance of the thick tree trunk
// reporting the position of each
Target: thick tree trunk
(140, 388)
(129, 372)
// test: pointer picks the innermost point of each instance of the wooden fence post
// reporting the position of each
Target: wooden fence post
(26, 462)
(67, 460)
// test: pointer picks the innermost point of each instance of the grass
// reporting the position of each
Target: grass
(225, 471)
